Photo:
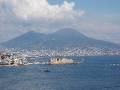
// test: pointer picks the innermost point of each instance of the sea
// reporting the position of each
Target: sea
(95, 73)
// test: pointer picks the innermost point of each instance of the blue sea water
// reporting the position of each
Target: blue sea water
(96, 73)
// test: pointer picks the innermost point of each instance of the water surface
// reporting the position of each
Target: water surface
(96, 73)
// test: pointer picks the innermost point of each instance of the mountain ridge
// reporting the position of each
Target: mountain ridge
(63, 38)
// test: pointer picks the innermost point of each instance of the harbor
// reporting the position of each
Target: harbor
(10, 59)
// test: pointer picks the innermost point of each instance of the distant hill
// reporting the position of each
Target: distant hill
(63, 38)
(0, 46)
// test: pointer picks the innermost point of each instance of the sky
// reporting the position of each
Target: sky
(99, 19)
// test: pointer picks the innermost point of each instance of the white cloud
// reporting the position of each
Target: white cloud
(1, 1)
(34, 9)
(102, 28)
(20, 16)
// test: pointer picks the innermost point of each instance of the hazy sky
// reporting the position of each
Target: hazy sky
(98, 19)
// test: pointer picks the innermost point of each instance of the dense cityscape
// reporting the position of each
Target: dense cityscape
(78, 51)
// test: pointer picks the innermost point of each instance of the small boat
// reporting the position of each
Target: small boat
(46, 70)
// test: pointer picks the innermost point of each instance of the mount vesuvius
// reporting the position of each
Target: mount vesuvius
(63, 38)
